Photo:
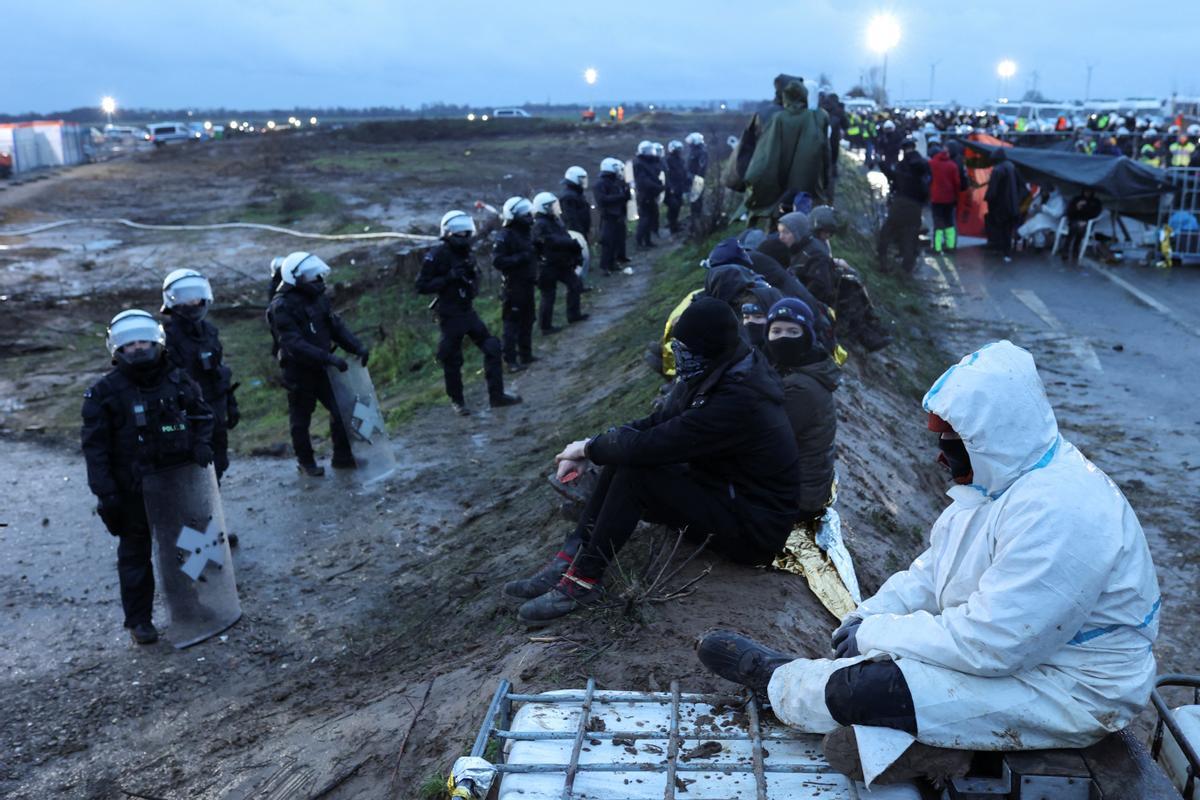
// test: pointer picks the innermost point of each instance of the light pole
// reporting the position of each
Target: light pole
(932, 75)
(590, 76)
(109, 107)
(883, 33)
(1006, 69)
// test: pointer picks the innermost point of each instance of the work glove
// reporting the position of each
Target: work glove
(109, 510)
(202, 454)
(364, 355)
(340, 363)
(845, 638)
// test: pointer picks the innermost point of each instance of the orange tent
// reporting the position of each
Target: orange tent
(971, 206)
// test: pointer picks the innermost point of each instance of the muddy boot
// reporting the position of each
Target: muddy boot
(144, 633)
(502, 400)
(918, 762)
(343, 461)
(568, 595)
(740, 659)
(460, 408)
(540, 582)
(311, 470)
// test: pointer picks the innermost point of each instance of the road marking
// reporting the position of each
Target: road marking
(1161, 308)
(1079, 348)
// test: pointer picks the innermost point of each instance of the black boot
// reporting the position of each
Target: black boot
(311, 470)
(740, 659)
(144, 633)
(540, 582)
(460, 408)
(343, 462)
(568, 595)
(503, 399)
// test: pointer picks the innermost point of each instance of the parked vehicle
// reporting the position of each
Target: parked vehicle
(162, 133)
(518, 113)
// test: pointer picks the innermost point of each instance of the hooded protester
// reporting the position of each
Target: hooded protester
(755, 306)
(792, 155)
(790, 286)
(1003, 198)
(716, 461)
(1028, 623)
(906, 205)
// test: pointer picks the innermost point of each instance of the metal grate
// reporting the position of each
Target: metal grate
(495, 732)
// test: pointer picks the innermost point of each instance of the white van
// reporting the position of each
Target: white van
(518, 113)
(168, 132)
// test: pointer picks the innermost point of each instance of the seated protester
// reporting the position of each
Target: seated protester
(1082, 209)
(1028, 623)
(790, 286)
(754, 313)
(717, 461)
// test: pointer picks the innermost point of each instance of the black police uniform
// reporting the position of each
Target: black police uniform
(646, 183)
(306, 329)
(195, 347)
(697, 164)
(450, 274)
(678, 184)
(557, 254)
(514, 258)
(612, 194)
(576, 213)
(137, 421)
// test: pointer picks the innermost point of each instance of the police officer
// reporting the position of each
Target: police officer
(143, 416)
(276, 266)
(678, 183)
(194, 346)
(514, 258)
(576, 212)
(647, 187)
(697, 165)
(302, 321)
(612, 195)
(558, 254)
(448, 271)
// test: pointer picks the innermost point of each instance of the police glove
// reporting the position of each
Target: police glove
(364, 355)
(845, 638)
(202, 454)
(232, 417)
(109, 509)
(340, 363)
(460, 274)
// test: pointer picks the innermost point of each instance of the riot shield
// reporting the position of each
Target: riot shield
(631, 212)
(696, 189)
(585, 259)
(191, 553)
(358, 408)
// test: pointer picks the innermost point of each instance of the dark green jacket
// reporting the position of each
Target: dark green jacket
(792, 154)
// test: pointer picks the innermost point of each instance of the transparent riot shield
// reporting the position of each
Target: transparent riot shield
(631, 212)
(582, 269)
(359, 410)
(191, 553)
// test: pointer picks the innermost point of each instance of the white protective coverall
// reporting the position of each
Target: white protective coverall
(1028, 623)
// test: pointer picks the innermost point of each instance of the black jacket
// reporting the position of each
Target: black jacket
(645, 178)
(678, 180)
(730, 428)
(697, 160)
(611, 194)
(791, 286)
(307, 329)
(557, 251)
(137, 424)
(195, 347)
(576, 213)
(513, 256)
(815, 268)
(808, 401)
(452, 277)
(912, 178)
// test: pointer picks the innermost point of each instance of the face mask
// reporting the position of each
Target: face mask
(789, 351)
(757, 332)
(191, 313)
(955, 458)
(313, 288)
(688, 365)
(459, 244)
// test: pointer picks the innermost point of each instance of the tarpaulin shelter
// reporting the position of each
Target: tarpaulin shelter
(972, 208)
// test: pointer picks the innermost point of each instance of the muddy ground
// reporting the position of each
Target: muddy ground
(374, 629)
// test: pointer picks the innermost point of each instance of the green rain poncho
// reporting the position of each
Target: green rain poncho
(792, 154)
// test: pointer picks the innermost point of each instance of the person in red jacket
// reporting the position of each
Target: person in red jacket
(944, 186)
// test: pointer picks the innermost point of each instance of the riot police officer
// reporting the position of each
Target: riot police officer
(276, 267)
(194, 345)
(697, 164)
(304, 324)
(143, 416)
(576, 213)
(612, 194)
(448, 271)
(678, 183)
(648, 186)
(514, 258)
(558, 254)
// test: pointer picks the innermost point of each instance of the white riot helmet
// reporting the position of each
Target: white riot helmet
(614, 165)
(674, 146)
(732, 141)
(1193, 129)
(1173, 130)
(658, 149)
(515, 207)
(276, 265)
(694, 138)
(888, 125)
(577, 176)
(187, 293)
(645, 148)
(546, 203)
(456, 223)
(135, 326)
(301, 267)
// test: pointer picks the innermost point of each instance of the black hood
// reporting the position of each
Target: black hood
(728, 282)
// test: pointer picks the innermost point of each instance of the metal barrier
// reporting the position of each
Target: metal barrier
(1182, 205)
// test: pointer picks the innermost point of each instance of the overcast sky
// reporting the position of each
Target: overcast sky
(284, 53)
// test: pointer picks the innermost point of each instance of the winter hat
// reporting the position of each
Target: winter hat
(708, 328)
(802, 202)
(797, 223)
(728, 251)
(793, 309)
(751, 238)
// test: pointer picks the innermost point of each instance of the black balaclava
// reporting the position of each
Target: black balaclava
(144, 367)
(459, 245)
(191, 313)
(313, 288)
(757, 331)
(793, 351)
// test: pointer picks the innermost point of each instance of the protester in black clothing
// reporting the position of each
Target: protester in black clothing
(145, 415)
(717, 461)
(754, 313)
(909, 196)
(1082, 209)
(678, 184)
(1003, 198)
(194, 345)
(448, 271)
(304, 324)
(514, 258)
(647, 188)
(558, 255)
(612, 196)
